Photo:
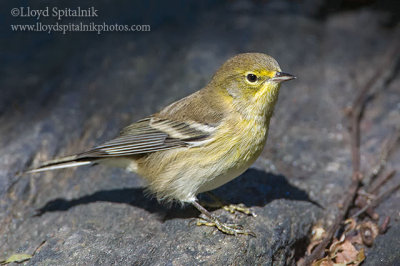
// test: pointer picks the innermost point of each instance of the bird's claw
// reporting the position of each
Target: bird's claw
(232, 208)
(230, 229)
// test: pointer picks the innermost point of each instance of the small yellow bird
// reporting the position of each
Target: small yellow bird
(200, 142)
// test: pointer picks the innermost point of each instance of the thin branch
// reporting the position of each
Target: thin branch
(378, 200)
(380, 182)
(383, 74)
(387, 150)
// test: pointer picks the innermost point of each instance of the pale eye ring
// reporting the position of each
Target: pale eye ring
(251, 78)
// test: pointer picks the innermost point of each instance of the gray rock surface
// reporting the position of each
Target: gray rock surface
(62, 94)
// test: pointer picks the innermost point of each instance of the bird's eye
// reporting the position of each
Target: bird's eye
(251, 78)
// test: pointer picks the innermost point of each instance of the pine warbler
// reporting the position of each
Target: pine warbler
(200, 142)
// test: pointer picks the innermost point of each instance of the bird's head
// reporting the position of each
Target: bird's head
(251, 80)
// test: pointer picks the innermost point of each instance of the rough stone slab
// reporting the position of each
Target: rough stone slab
(68, 94)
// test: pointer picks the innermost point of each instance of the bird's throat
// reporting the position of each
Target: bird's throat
(261, 106)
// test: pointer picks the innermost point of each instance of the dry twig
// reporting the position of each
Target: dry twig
(380, 79)
(387, 150)
(379, 198)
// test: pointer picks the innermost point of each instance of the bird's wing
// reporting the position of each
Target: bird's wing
(153, 134)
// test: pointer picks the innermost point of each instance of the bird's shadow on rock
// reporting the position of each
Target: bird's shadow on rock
(252, 188)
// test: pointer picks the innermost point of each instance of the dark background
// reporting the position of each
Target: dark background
(61, 94)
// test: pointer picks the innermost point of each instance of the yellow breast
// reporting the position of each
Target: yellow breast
(242, 143)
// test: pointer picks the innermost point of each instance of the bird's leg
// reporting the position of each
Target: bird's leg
(210, 220)
(232, 208)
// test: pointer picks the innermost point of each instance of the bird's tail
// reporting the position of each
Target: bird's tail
(66, 162)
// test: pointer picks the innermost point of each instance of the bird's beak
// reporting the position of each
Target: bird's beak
(282, 76)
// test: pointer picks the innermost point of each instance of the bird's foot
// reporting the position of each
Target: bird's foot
(233, 208)
(230, 229)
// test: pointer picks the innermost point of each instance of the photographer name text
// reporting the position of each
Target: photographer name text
(55, 12)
